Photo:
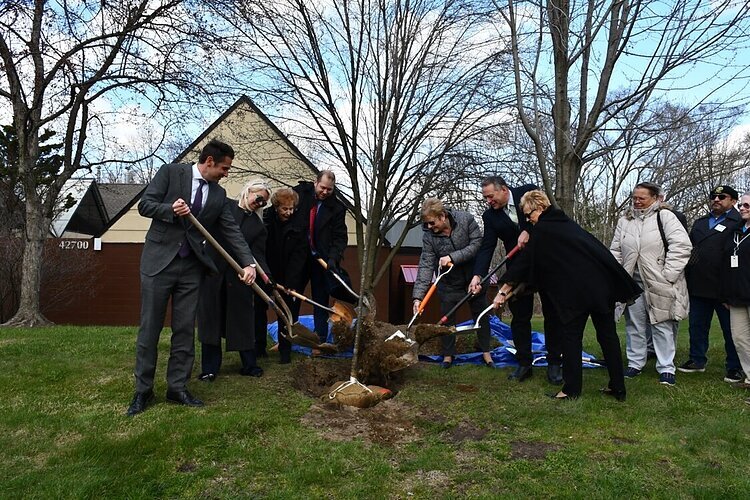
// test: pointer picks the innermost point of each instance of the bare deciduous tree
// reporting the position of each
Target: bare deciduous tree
(396, 95)
(66, 65)
(606, 60)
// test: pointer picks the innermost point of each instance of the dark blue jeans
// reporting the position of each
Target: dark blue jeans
(701, 313)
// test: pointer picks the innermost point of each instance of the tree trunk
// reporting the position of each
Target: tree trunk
(29, 313)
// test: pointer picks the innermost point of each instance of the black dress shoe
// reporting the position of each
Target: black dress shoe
(565, 397)
(521, 373)
(140, 402)
(251, 371)
(554, 374)
(618, 395)
(207, 377)
(183, 398)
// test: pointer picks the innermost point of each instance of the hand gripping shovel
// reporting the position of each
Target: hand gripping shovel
(469, 295)
(422, 304)
(295, 333)
(338, 278)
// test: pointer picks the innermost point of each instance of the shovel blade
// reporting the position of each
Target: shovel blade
(301, 335)
(342, 312)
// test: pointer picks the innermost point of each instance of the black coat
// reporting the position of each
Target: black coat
(225, 306)
(331, 234)
(497, 225)
(704, 270)
(736, 280)
(286, 250)
(577, 272)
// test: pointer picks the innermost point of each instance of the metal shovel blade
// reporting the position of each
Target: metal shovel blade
(475, 326)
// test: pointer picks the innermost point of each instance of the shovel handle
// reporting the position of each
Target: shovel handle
(301, 297)
(338, 278)
(469, 295)
(234, 265)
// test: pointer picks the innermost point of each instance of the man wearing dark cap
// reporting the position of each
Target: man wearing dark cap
(703, 274)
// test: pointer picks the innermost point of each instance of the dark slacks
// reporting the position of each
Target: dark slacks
(321, 292)
(211, 358)
(552, 334)
(447, 301)
(572, 345)
(701, 313)
(181, 281)
(522, 308)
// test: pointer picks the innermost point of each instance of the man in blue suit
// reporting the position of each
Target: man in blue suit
(174, 261)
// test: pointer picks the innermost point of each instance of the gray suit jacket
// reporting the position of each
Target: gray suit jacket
(167, 230)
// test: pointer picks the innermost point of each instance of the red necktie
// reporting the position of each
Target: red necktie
(311, 236)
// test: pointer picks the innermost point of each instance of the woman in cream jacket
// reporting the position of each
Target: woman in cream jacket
(660, 271)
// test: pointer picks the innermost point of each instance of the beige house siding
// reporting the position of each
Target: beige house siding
(261, 150)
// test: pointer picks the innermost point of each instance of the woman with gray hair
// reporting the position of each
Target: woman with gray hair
(653, 246)
(226, 307)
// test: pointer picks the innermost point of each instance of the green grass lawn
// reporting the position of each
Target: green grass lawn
(461, 432)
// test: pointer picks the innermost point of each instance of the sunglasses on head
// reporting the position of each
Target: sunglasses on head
(721, 197)
(743, 205)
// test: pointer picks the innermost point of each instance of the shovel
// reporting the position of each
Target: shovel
(298, 333)
(475, 326)
(469, 295)
(339, 312)
(423, 303)
(338, 278)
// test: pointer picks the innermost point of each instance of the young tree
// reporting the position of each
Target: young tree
(66, 66)
(608, 59)
(395, 94)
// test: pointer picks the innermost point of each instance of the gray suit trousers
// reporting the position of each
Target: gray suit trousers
(181, 281)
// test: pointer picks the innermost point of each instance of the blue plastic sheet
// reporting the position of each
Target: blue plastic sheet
(503, 355)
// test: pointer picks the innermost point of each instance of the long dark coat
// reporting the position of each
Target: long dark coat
(225, 306)
(330, 227)
(577, 272)
(286, 250)
(704, 271)
(736, 280)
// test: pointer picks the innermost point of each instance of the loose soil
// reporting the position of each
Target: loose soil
(531, 450)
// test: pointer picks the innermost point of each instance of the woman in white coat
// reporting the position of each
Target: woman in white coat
(653, 246)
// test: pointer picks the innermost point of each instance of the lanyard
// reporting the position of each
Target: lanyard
(738, 241)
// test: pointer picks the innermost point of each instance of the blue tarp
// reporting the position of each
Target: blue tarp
(502, 355)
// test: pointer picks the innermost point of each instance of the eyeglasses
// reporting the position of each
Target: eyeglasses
(721, 197)
(528, 214)
(743, 205)
(260, 201)
(429, 223)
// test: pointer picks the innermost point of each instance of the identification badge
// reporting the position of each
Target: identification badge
(720, 227)
(734, 261)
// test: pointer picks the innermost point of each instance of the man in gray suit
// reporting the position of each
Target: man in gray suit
(174, 261)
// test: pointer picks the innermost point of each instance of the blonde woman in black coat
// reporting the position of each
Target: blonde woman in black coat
(581, 278)
(226, 307)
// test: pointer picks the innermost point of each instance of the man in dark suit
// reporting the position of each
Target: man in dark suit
(704, 279)
(323, 217)
(504, 220)
(173, 263)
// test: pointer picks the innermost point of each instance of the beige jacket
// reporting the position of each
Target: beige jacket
(637, 242)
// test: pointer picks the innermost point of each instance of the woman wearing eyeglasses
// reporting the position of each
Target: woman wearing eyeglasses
(581, 278)
(226, 306)
(737, 284)
(653, 246)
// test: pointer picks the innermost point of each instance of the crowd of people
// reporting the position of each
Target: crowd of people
(654, 271)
